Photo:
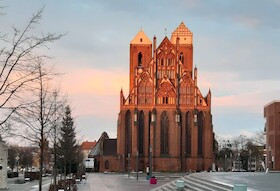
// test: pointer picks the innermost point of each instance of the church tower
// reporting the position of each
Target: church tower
(140, 54)
(164, 121)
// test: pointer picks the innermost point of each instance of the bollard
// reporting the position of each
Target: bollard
(240, 187)
(180, 184)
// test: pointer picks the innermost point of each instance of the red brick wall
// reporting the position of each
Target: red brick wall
(272, 114)
(174, 164)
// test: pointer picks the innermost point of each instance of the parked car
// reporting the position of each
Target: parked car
(29, 176)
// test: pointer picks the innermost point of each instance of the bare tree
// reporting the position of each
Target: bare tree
(36, 121)
(18, 66)
(59, 105)
(259, 138)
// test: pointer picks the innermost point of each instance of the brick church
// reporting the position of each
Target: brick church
(164, 117)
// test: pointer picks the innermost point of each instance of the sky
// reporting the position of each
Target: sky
(236, 51)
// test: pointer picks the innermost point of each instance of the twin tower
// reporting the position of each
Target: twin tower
(164, 123)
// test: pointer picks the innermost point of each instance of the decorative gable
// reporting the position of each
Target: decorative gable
(166, 49)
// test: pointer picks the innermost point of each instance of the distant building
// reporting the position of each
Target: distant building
(272, 126)
(86, 147)
(3, 164)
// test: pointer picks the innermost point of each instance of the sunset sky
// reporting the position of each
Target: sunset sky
(236, 51)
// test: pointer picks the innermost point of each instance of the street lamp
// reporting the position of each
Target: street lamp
(128, 165)
(17, 159)
(269, 158)
(137, 161)
(153, 121)
(238, 161)
(225, 163)
(178, 121)
(250, 153)
(119, 164)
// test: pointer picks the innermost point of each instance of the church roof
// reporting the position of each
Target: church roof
(87, 145)
(183, 33)
(141, 38)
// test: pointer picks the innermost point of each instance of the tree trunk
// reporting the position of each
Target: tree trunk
(41, 164)
(70, 176)
(42, 129)
(55, 168)
(64, 173)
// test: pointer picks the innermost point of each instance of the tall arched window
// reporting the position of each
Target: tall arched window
(164, 124)
(188, 136)
(139, 59)
(141, 133)
(181, 58)
(200, 133)
(128, 133)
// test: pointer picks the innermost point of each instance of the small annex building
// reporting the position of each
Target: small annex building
(105, 154)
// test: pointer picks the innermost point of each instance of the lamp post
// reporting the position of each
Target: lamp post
(17, 159)
(250, 164)
(137, 160)
(119, 164)
(178, 121)
(225, 163)
(123, 162)
(269, 157)
(153, 120)
(128, 165)
(230, 160)
(238, 161)
(138, 137)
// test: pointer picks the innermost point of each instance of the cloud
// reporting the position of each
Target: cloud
(248, 134)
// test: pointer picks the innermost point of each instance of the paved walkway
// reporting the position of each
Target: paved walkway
(256, 180)
(119, 182)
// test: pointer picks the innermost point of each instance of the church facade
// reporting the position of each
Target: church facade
(164, 122)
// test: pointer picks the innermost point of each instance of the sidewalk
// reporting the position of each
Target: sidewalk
(120, 182)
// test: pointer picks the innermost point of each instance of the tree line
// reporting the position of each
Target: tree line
(241, 149)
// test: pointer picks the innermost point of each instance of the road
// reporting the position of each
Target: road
(28, 186)
(119, 182)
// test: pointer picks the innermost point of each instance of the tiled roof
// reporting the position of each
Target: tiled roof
(141, 38)
(88, 145)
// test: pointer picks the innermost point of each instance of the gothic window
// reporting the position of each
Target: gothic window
(166, 94)
(162, 62)
(141, 133)
(188, 135)
(128, 133)
(140, 59)
(168, 62)
(165, 100)
(200, 133)
(164, 126)
(107, 164)
(181, 58)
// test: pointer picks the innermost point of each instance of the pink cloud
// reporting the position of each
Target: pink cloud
(95, 91)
